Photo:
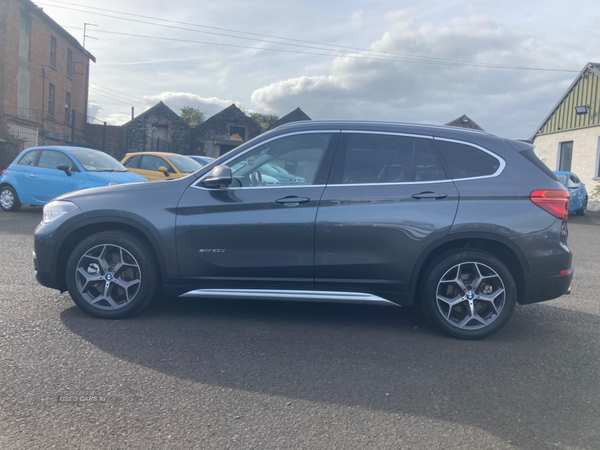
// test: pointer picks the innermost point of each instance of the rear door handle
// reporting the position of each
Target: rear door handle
(33, 176)
(429, 195)
(292, 201)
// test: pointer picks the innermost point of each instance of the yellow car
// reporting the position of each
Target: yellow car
(160, 166)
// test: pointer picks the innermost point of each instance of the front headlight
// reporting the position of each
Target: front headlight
(55, 209)
(113, 183)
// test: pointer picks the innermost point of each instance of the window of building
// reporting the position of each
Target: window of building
(69, 63)
(68, 107)
(565, 156)
(597, 171)
(465, 161)
(53, 52)
(51, 100)
(237, 133)
(24, 34)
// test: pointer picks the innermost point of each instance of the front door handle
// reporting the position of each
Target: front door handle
(33, 176)
(429, 195)
(292, 201)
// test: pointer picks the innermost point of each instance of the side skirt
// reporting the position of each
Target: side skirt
(293, 296)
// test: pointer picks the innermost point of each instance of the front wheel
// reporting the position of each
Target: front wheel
(469, 294)
(112, 275)
(9, 200)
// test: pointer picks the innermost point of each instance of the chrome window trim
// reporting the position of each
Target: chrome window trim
(292, 295)
(388, 133)
(197, 183)
(445, 180)
(485, 150)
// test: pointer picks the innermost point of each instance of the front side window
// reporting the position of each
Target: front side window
(50, 159)
(466, 161)
(28, 158)
(51, 100)
(379, 158)
(53, 52)
(299, 155)
(150, 162)
(565, 156)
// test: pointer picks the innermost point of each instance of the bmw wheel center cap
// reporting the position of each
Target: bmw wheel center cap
(108, 277)
(470, 295)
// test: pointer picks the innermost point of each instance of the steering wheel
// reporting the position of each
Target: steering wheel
(256, 178)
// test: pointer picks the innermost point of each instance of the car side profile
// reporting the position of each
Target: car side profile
(579, 195)
(160, 166)
(40, 174)
(461, 222)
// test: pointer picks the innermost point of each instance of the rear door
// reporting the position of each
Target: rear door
(387, 199)
(47, 181)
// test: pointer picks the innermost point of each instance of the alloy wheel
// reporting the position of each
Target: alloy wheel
(470, 295)
(7, 198)
(108, 277)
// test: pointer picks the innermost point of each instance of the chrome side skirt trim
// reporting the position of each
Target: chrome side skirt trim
(293, 296)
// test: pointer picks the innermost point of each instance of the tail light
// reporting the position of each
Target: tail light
(2, 173)
(554, 202)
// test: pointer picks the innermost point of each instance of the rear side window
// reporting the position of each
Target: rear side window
(378, 158)
(465, 161)
(133, 162)
(29, 158)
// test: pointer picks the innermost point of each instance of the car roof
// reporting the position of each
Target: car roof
(63, 148)
(165, 154)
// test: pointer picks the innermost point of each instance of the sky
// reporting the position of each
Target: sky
(405, 61)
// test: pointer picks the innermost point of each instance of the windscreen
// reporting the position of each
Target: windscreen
(93, 161)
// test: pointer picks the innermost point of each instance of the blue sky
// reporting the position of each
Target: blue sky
(135, 71)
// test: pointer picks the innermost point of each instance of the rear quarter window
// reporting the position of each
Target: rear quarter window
(466, 161)
(28, 158)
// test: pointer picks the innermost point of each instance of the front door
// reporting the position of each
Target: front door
(258, 232)
(386, 200)
(47, 181)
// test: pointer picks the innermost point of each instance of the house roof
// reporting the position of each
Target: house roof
(224, 118)
(35, 9)
(464, 121)
(154, 109)
(295, 116)
(590, 68)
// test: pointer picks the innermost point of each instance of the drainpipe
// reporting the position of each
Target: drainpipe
(43, 100)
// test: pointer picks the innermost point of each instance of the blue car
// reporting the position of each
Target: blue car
(204, 160)
(40, 174)
(579, 196)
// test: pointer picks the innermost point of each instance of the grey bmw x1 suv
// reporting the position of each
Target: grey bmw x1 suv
(462, 222)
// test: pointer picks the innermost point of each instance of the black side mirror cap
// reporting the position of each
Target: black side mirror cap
(219, 176)
(65, 169)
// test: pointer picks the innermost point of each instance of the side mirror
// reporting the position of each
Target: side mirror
(164, 170)
(219, 176)
(65, 169)
(575, 186)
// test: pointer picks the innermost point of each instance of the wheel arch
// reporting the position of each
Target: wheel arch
(504, 249)
(87, 228)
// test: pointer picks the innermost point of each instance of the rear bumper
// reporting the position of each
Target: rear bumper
(540, 288)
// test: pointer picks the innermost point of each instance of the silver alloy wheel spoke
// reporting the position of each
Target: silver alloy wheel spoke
(108, 277)
(460, 301)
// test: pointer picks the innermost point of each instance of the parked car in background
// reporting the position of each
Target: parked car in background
(579, 195)
(203, 160)
(40, 174)
(160, 166)
(462, 222)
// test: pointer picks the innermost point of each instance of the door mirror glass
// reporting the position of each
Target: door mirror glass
(575, 186)
(64, 168)
(164, 170)
(219, 176)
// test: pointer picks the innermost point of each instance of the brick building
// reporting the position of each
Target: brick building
(44, 75)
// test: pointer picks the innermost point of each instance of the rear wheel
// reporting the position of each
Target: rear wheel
(469, 294)
(112, 275)
(9, 200)
(582, 211)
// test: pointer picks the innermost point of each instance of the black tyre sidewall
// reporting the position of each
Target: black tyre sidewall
(439, 267)
(143, 255)
(581, 212)
(16, 204)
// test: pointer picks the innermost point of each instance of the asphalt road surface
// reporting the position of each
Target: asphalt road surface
(265, 375)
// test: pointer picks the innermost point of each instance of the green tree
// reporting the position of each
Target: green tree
(191, 115)
(264, 120)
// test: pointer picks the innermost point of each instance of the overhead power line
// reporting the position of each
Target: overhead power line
(403, 56)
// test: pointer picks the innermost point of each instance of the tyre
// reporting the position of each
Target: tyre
(112, 275)
(9, 200)
(468, 294)
(582, 211)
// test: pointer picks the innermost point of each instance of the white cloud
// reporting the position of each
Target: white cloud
(177, 100)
